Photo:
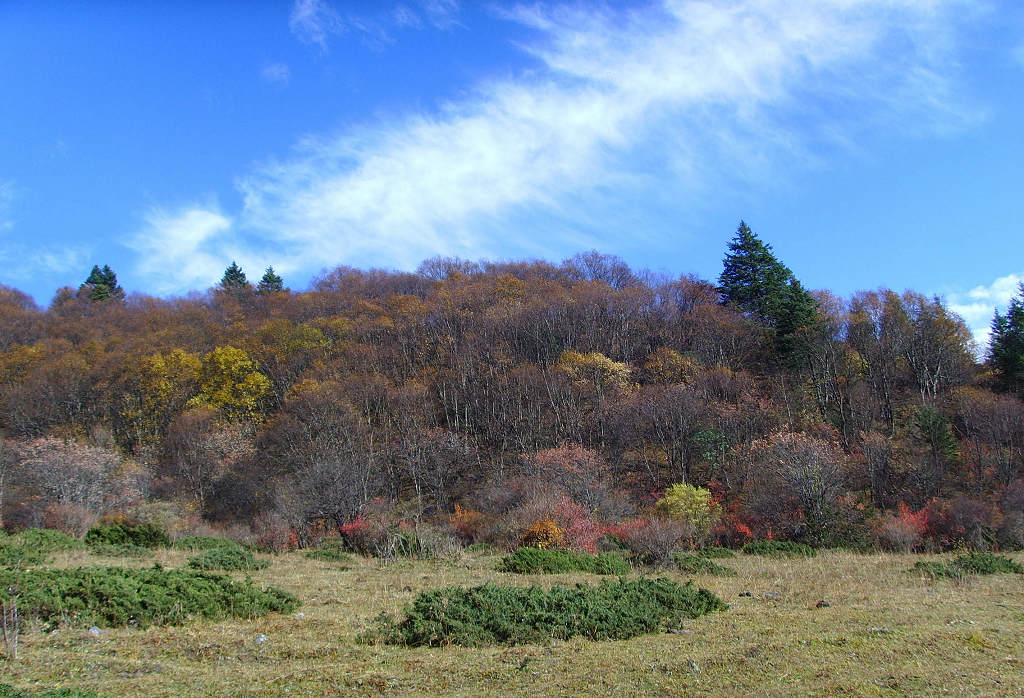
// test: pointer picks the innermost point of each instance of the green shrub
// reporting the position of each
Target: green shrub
(16, 556)
(146, 535)
(937, 570)
(987, 563)
(197, 544)
(714, 552)
(779, 548)
(224, 558)
(696, 564)
(330, 549)
(490, 614)
(541, 561)
(126, 550)
(119, 596)
(32, 546)
(8, 691)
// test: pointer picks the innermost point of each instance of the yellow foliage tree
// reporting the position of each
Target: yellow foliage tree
(231, 383)
(692, 504)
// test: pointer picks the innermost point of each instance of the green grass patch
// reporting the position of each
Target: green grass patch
(118, 596)
(225, 558)
(539, 561)
(696, 564)
(124, 550)
(713, 552)
(197, 544)
(779, 548)
(145, 535)
(8, 691)
(331, 550)
(492, 615)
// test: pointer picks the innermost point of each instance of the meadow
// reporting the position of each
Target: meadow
(841, 623)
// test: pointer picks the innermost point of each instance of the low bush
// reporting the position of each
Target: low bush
(127, 550)
(938, 570)
(987, 563)
(330, 549)
(118, 596)
(779, 548)
(32, 546)
(227, 558)
(697, 564)
(145, 535)
(540, 561)
(715, 553)
(491, 614)
(197, 544)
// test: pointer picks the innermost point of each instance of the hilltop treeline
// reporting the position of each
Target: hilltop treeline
(495, 399)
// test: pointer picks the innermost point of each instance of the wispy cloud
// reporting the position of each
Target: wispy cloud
(676, 97)
(276, 73)
(6, 204)
(313, 21)
(978, 305)
(316, 21)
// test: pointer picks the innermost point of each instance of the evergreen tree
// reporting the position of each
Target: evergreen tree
(101, 285)
(234, 279)
(270, 283)
(1006, 345)
(757, 284)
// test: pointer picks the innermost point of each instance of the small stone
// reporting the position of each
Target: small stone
(300, 615)
(94, 631)
(880, 630)
(822, 604)
(407, 588)
(772, 595)
(260, 639)
(746, 593)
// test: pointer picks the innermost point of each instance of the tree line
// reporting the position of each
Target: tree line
(488, 396)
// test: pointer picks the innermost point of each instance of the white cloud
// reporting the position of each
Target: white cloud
(185, 248)
(312, 21)
(315, 21)
(276, 73)
(978, 305)
(696, 92)
(6, 205)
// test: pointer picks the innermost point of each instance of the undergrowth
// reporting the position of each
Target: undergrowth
(779, 548)
(225, 558)
(696, 564)
(145, 535)
(491, 614)
(330, 549)
(969, 563)
(33, 546)
(197, 544)
(714, 552)
(540, 561)
(117, 596)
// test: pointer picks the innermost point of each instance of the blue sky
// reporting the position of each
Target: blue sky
(873, 143)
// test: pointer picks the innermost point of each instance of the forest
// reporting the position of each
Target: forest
(515, 402)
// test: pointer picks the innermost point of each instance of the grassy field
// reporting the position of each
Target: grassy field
(885, 631)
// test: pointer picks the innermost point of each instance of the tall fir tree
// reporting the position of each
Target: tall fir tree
(1006, 345)
(756, 283)
(101, 285)
(234, 279)
(270, 283)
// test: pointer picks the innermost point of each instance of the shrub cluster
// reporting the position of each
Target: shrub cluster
(541, 561)
(969, 563)
(330, 549)
(490, 614)
(32, 546)
(779, 548)
(145, 535)
(227, 558)
(697, 564)
(713, 552)
(117, 596)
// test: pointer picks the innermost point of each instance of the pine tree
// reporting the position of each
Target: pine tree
(1006, 345)
(757, 284)
(101, 285)
(234, 279)
(270, 283)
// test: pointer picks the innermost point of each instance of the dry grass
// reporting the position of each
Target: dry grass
(885, 632)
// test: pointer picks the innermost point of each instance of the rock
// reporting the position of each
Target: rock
(881, 630)
(822, 604)
(746, 593)
(94, 631)
(300, 615)
(260, 639)
(772, 595)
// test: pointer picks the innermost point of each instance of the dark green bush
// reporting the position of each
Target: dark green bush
(779, 548)
(539, 561)
(987, 563)
(197, 544)
(937, 570)
(224, 558)
(695, 564)
(33, 546)
(714, 552)
(145, 535)
(330, 549)
(8, 691)
(126, 550)
(490, 614)
(118, 596)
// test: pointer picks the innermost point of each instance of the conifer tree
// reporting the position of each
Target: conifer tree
(101, 285)
(234, 279)
(270, 283)
(1006, 345)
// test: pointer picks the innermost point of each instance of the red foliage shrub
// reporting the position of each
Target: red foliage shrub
(580, 529)
(961, 521)
(468, 523)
